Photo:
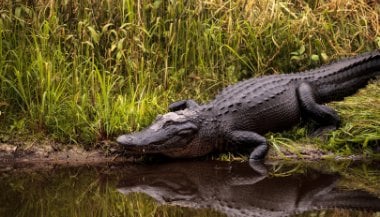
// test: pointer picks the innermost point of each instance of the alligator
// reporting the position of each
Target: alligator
(234, 189)
(242, 113)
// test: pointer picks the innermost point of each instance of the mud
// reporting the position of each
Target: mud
(46, 152)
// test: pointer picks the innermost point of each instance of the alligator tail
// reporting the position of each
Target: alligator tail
(357, 200)
(345, 77)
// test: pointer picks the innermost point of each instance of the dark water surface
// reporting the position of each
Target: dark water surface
(197, 188)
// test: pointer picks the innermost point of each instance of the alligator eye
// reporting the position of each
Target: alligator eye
(168, 123)
(185, 132)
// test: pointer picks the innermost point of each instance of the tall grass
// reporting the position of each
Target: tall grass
(83, 71)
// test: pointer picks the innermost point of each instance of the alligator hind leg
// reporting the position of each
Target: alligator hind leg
(183, 104)
(326, 118)
(251, 139)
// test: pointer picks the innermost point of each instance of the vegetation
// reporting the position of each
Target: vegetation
(84, 71)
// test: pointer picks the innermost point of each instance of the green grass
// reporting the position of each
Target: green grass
(86, 71)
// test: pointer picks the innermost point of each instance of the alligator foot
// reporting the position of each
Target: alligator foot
(249, 138)
(326, 118)
(183, 104)
(259, 152)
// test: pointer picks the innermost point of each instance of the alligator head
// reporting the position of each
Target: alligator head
(175, 134)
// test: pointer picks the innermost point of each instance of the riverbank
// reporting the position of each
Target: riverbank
(85, 72)
(46, 153)
(357, 139)
(41, 154)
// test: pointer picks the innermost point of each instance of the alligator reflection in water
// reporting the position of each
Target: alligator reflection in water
(238, 190)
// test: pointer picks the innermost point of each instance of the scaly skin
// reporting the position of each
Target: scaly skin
(239, 116)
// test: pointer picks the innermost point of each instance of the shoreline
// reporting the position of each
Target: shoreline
(50, 155)
(56, 154)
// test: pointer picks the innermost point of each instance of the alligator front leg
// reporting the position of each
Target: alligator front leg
(183, 104)
(252, 139)
(326, 117)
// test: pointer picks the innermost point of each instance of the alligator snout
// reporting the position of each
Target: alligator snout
(124, 139)
(133, 144)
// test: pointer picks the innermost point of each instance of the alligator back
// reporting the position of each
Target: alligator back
(259, 105)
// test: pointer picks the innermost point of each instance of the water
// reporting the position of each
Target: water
(192, 188)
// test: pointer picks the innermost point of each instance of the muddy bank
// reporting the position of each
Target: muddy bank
(45, 153)
(41, 152)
